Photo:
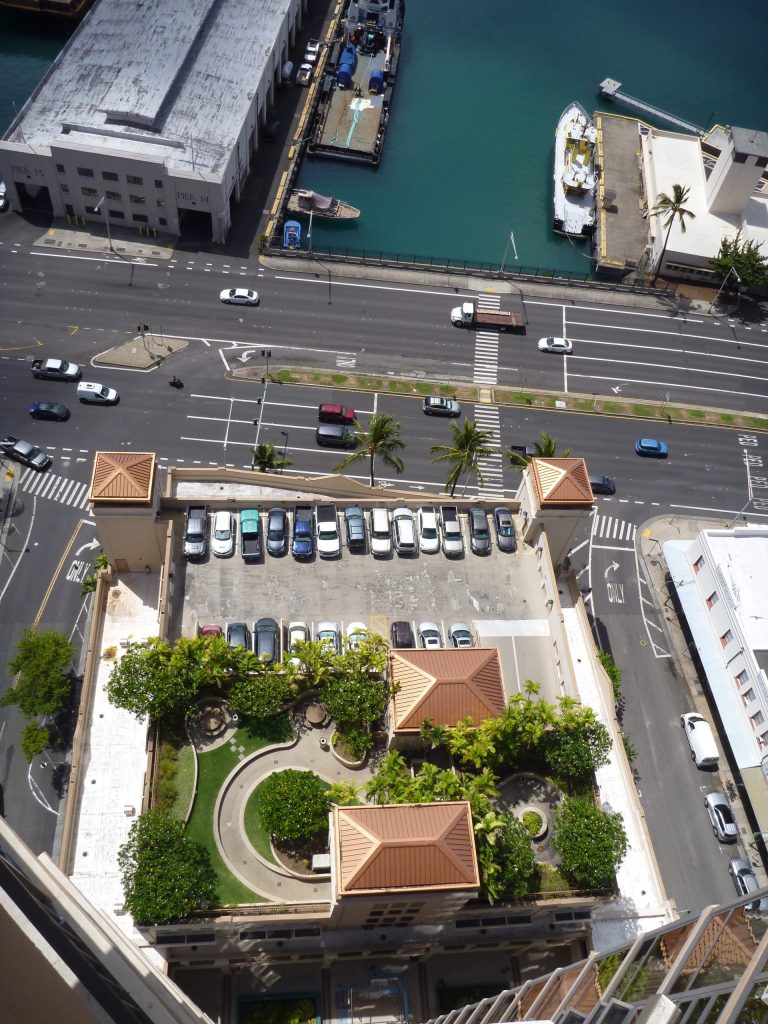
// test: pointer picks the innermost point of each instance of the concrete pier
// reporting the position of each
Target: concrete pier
(621, 227)
(610, 88)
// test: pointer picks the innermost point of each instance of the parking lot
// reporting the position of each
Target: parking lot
(497, 595)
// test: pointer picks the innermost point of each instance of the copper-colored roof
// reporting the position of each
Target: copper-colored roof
(404, 846)
(122, 478)
(561, 482)
(444, 686)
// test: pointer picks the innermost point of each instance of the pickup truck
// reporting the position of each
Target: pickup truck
(55, 369)
(250, 534)
(303, 544)
(453, 541)
(530, 451)
(355, 528)
(196, 532)
(468, 315)
(327, 531)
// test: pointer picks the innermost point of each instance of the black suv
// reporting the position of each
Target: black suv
(401, 634)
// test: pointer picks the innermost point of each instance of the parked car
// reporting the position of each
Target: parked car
(721, 816)
(401, 634)
(602, 485)
(356, 633)
(266, 639)
(196, 532)
(240, 296)
(404, 531)
(210, 631)
(303, 545)
(479, 533)
(312, 51)
(745, 882)
(298, 632)
(277, 531)
(48, 411)
(460, 635)
(505, 529)
(355, 520)
(328, 632)
(450, 525)
(429, 535)
(328, 413)
(561, 346)
(381, 533)
(91, 393)
(223, 534)
(429, 636)
(651, 448)
(238, 635)
(441, 407)
(304, 74)
(25, 453)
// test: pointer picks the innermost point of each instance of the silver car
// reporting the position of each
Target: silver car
(721, 816)
(745, 882)
(429, 636)
(460, 634)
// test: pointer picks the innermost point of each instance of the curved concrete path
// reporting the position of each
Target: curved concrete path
(269, 880)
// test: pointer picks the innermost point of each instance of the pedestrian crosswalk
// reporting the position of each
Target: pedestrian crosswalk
(54, 488)
(491, 467)
(486, 367)
(611, 528)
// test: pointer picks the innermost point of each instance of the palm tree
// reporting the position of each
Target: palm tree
(469, 444)
(266, 458)
(671, 208)
(381, 438)
(545, 448)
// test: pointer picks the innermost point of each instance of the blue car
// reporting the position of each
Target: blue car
(303, 545)
(653, 449)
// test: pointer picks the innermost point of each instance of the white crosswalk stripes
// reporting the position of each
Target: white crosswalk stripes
(54, 488)
(486, 369)
(611, 528)
(492, 467)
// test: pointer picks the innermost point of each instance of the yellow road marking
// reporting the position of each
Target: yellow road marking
(54, 578)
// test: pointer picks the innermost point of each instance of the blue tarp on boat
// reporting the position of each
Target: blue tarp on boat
(292, 235)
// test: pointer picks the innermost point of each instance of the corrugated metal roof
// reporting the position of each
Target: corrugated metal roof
(405, 846)
(561, 482)
(445, 686)
(122, 478)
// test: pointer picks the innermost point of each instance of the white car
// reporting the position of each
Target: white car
(223, 534)
(381, 533)
(298, 632)
(356, 633)
(312, 51)
(560, 346)
(460, 634)
(240, 296)
(96, 394)
(304, 74)
(328, 633)
(429, 535)
(429, 636)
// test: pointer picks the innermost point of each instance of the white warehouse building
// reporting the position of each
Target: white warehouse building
(721, 580)
(151, 110)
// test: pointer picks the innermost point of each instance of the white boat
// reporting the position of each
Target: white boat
(304, 200)
(575, 175)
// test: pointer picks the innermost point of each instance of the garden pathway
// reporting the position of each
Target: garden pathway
(305, 753)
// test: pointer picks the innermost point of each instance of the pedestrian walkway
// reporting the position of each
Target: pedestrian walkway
(611, 528)
(486, 369)
(55, 488)
(491, 466)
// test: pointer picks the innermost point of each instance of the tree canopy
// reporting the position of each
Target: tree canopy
(591, 843)
(671, 208)
(42, 662)
(166, 875)
(294, 804)
(743, 261)
(381, 438)
(469, 444)
(504, 854)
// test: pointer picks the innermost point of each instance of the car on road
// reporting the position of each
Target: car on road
(298, 632)
(745, 882)
(266, 639)
(429, 636)
(721, 816)
(49, 411)
(328, 633)
(223, 534)
(91, 393)
(401, 634)
(651, 448)
(429, 535)
(304, 74)
(460, 634)
(602, 485)
(441, 407)
(277, 531)
(25, 453)
(479, 533)
(505, 529)
(356, 633)
(312, 51)
(559, 346)
(238, 635)
(240, 296)
(329, 413)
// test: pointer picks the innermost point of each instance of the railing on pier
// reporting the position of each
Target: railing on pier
(610, 88)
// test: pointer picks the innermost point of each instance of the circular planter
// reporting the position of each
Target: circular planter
(343, 760)
(536, 837)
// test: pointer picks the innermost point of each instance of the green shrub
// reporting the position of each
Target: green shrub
(696, 414)
(613, 671)
(165, 794)
(532, 823)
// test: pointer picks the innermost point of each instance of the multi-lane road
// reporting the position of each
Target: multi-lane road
(80, 304)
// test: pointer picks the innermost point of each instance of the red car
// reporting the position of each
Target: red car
(336, 414)
(210, 631)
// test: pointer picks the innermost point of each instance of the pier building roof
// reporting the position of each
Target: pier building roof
(171, 81)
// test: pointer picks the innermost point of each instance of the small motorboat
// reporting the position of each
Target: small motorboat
(292, 235)
(304, 200)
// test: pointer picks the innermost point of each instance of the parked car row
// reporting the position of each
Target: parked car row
(316, 530)
(429, 636)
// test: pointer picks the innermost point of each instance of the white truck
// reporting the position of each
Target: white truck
(327, 531)
(450, 524)
(468, 315)
(55, 369)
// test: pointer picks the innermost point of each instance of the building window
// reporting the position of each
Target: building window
(85, 172)
(712, 599)
(698, 565)
(133, 180)
(742, 678)
(138, 200)
(761, 161)
(163, 221)
(141, 217)
(762, 740)
(114, 195)
(117, 214)
(161, 203)
(739, 158)
(748, 696)
(92, 210)
(65, 188)
(726, 638)
(60, 168)
(757, 719)
(109, 176)
(158, 183)
(88, 191)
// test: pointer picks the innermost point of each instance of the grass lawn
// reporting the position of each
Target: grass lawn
(214, 767)
(255, 831)
(184, 781)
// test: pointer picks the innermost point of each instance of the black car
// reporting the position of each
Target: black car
(505, 529)
(401, 634)
(479, 534)
(25, 453)
(48, 411)
(602, 485)
(266, 639)
(277, 531)
(238, 635)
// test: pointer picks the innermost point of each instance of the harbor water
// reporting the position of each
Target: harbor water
(469, 149)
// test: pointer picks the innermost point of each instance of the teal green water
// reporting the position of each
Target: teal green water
(481, 86)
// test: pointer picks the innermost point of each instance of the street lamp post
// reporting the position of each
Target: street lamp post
(96, 209)
(285, 448)
(266, 353)
(511, 239)
(733, 271)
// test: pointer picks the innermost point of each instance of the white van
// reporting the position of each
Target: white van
(381, 535)
(698, 732)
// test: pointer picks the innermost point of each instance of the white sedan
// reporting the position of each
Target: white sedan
(561, 346)
(223, 534)
(240, 296)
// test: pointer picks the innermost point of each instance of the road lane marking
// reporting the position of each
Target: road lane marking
(672, 384)
(95, 259)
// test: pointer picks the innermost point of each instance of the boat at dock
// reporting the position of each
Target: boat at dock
(292, 235)
(304, 200)
(575, 174)
(355, 94)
